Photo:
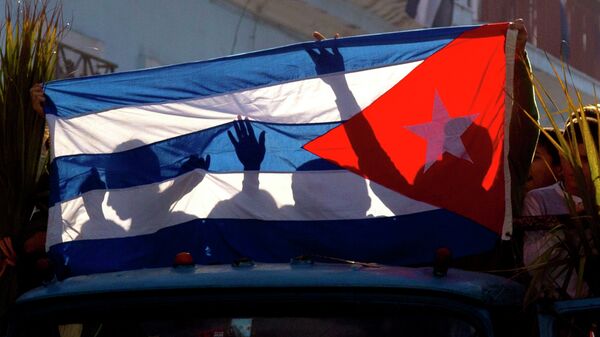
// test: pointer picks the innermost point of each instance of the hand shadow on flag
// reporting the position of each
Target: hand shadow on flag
(327, 62)
(330, 62)
(153, 207)
(250, 151)
(373, 161)
(314, 199)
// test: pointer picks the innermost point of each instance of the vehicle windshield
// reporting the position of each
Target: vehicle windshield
(404, 325)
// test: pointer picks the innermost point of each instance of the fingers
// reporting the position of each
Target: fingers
(37, 91)
(244, 132)
(261, 140)
(336, 51)
(320, 37)
(36, 88)
(232, 139)
(195, 162)
(238, 129)
(249, 128)
(313, 54)
(519, 25)
(37, 97)
(242, 125)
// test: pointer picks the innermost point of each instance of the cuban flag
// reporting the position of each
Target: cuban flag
(378, 148)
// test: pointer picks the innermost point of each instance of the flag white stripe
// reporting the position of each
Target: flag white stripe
(145, 209)
(307, 101)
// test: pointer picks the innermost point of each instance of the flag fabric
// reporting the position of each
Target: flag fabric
(376, 148)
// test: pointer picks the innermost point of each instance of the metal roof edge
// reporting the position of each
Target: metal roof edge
(486, 288)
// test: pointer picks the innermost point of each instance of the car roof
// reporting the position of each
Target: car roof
(577, 305)
(485, 288)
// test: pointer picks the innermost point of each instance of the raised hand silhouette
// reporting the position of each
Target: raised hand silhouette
(329, 61)
(326, 61)
(248, 149)
(195, 162)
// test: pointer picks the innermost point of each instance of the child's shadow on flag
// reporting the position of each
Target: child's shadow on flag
(116, 210)
(314, 199)
(250, 151)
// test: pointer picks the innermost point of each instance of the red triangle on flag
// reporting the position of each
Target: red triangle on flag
(437, 136)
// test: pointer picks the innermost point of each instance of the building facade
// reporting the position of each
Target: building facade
(563, 28)
(123, 35)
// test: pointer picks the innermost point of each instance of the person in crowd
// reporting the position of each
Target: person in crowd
(561, 198)
(36, 94)
(550, 200)
(545, 168)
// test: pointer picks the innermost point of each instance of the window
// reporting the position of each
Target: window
(407, 324)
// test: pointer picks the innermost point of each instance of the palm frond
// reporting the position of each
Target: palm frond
(30, 33)
(574, 246)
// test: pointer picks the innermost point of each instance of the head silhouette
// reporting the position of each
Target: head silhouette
(574, 134)
(133, 163)
(315, 197)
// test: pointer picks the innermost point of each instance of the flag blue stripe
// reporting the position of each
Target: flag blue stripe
(67, 98)
(71, 175)
(406, 240)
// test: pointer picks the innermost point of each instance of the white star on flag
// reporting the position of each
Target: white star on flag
(443, 133)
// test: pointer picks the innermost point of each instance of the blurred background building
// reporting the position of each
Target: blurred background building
(122, 35)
